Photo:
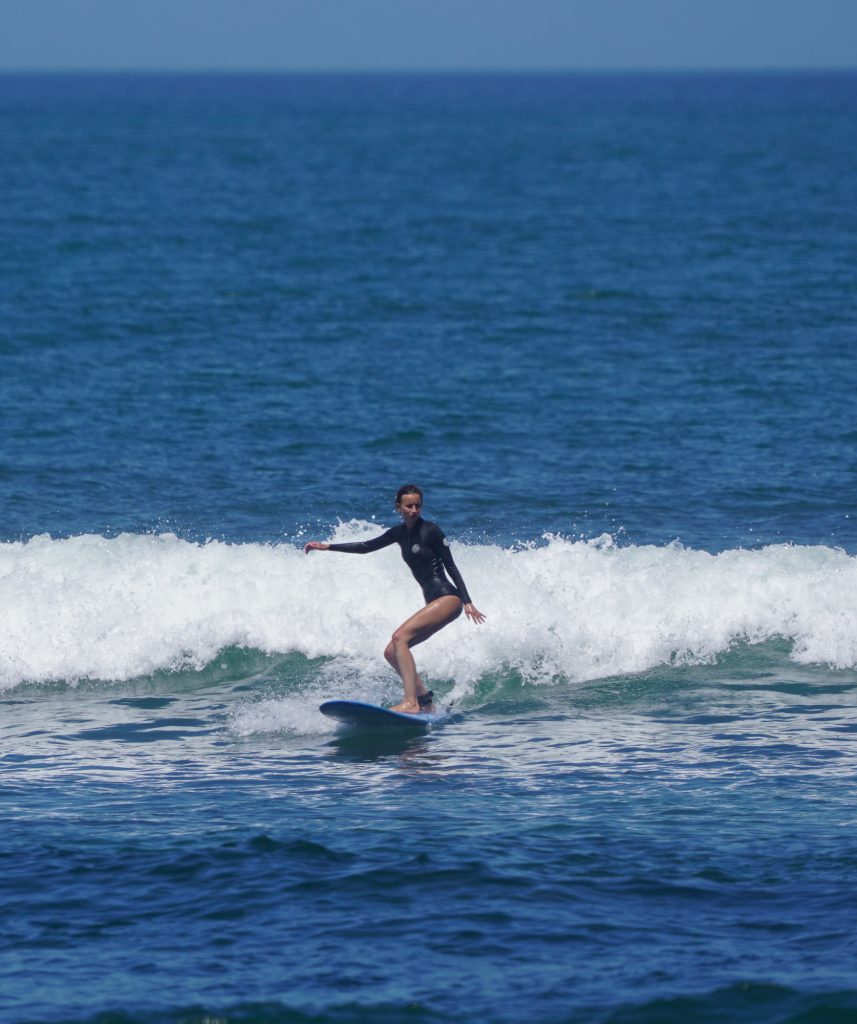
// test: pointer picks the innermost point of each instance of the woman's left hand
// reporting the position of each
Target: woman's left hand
(473, 613)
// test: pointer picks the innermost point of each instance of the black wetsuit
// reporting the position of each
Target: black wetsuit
(426, 551)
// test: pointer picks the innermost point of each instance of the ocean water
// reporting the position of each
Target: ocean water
(608, 323)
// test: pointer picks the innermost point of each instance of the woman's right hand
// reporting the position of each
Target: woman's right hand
(315, 545)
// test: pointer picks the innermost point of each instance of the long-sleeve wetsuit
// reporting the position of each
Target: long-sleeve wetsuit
(426, 552)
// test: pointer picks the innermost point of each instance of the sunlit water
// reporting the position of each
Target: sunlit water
(608, 323)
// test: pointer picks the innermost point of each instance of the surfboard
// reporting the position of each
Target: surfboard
(373, 716)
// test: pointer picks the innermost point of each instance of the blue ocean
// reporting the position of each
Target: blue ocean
(608, 323)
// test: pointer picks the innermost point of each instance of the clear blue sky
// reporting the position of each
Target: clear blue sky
(425, 34)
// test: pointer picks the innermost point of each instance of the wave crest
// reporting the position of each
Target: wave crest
(129, 606)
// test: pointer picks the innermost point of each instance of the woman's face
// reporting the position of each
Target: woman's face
(410, 506)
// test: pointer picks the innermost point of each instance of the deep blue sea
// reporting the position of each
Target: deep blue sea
(609, 323)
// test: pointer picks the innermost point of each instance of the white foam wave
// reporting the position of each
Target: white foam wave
(129, 606)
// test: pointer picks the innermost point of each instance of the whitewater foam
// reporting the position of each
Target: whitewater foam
(119, 608)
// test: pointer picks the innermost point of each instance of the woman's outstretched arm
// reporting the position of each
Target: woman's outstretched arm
(359, 547)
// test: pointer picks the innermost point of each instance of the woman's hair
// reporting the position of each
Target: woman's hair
(407, 489)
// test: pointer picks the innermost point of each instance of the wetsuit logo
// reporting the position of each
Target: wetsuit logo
(445, 542)
(415, 548)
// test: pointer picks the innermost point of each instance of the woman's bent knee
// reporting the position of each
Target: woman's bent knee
(399, 638)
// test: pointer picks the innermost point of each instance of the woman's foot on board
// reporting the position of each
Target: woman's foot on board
(407, 707)
(424, 703)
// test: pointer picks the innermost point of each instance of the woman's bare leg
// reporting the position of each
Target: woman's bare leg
(417, 628)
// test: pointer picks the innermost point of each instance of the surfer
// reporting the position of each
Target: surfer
(426, 552)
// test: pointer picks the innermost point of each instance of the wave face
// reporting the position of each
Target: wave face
(91, 607)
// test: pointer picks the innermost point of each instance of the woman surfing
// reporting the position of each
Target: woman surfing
(426, 552)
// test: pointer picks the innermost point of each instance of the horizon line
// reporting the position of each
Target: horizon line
(607, 70)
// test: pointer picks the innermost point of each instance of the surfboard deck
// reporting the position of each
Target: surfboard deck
(373, 716)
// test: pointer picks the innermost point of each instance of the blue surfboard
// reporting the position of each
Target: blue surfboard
(373, 716)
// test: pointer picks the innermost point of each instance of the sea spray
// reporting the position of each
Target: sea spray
(91, 607)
